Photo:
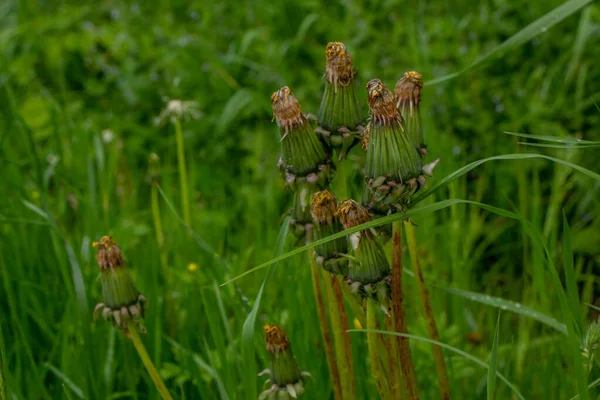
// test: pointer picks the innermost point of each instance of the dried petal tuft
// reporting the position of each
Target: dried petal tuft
(109, 253)
(352, 213)
(323, 207)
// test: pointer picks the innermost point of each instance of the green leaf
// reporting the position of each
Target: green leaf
(491, 377)
(541, 25)
(448, 347)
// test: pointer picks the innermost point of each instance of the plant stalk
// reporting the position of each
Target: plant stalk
(400, 324)
(139, 346)
(341, 338)
(391, 348)
(372, 343)
(438, 354)
(333, 370)
(183, 181)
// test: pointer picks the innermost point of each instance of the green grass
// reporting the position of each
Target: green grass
(507, 223)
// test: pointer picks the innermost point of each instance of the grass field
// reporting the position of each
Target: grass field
(510, 246)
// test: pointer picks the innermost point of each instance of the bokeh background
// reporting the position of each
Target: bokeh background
(81, 90)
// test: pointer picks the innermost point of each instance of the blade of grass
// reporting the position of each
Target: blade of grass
(448, 347)
(553, 139)
(491, 377)
(74, 388)
(507, 305)
(571, 283)
(248, 348)
(540, 25)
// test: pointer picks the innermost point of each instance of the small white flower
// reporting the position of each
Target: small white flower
(179, 109)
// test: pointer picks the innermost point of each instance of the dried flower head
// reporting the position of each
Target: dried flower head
(338, 69)
(393, 168)
(286, 381)
(352, 214)
(122, 303)
(369, 271)
(408, 95)
(323, 207)
(305, 162)
(340, 117)
(287, 110)
(332, 254)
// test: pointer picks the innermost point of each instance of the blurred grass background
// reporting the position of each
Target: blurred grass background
(81, 87)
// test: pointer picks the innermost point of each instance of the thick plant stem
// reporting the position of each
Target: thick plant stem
(341, 338)
(183, 181)
(333, 370)
(400, 324)
(372, 343)
(355, 305)
(139, 346)
(438, 355)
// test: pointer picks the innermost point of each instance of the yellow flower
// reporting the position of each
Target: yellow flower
(192, 267)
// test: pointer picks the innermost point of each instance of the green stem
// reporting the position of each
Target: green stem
(391, 350)
(341, 338)
(400, 324)
(160, 240)
(183, 181)
(372, 343)
(333, 370)
(139, 346)
(438, 354)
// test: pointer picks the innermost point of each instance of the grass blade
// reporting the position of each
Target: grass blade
(532, 30)
(491, 377)
(508, 305)
(248, 330)
(74, 388)
(452, 349)
(570, 282)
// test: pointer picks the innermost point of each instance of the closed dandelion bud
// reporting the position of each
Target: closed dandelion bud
(330, 255)
(408, 98)
(305, 163)
(393, 167)
(339, 115)
(286, 381)
(122, 303)
(369, 272)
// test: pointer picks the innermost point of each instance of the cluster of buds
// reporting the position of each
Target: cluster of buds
(122, 303)
(331, 255)
(394, 172)
(340, 116)
(286, 381)
(408, 98)
(305, 162)
(369, 271)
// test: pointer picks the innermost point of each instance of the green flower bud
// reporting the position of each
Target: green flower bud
(340, 115)
(305, 163)
(122, 303)
(393, 167)
(408, 98)
(369, 272)
(286, 381)
(330, 255)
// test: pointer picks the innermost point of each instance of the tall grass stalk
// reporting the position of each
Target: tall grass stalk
(341, 338)
(331, 363)
(400, 324)
(139, 346)
(395, 378)
(183, 181)
(438, 355)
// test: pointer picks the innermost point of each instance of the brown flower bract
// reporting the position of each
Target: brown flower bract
(275, 338)
(352, 213)
(382, 102)
(323, 207)
(109, 253)
(286, 109)
(338, 69)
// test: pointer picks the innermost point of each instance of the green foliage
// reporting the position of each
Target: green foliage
(81, 89)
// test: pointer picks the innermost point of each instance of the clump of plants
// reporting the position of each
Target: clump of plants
(357, 266)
